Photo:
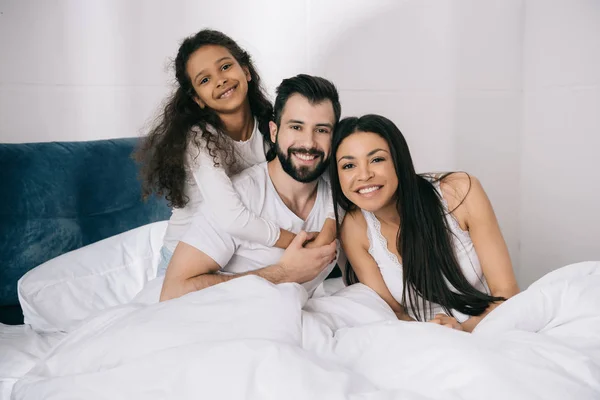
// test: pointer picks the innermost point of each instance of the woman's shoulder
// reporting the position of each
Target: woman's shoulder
(354, 227)
(456, 186)
(461, 191)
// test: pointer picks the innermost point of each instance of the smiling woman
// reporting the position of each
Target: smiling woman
(428, 245)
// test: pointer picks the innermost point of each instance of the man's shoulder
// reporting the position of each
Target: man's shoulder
(251, 176)
(324, 186)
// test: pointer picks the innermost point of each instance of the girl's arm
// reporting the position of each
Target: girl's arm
(329, 231)
(356, 244)
(477, 216)
(223, 203)
(327, 235)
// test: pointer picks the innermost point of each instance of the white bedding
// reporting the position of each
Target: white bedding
(20, 348)
(249, 339)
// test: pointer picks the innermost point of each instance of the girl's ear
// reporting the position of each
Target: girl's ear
(247, 72)
(199, 101)
(273, 129)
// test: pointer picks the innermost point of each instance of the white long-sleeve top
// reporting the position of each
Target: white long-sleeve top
(209, 188)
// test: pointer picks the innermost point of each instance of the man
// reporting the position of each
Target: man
(288, 189)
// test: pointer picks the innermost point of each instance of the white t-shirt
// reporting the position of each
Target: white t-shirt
(257, 192)
(209, 189)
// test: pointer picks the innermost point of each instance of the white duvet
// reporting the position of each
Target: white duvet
(249, 339)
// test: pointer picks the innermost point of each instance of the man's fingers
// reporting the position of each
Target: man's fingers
(299, 239)
(311, 235)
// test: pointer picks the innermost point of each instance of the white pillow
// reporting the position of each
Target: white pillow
(58, 294)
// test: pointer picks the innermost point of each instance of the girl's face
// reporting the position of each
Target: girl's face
(366, 171)
(220, 82)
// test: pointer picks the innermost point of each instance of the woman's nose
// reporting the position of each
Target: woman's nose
(365, 173)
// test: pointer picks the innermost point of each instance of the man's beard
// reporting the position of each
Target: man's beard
(304, 174)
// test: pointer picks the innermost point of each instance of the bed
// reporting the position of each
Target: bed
(58, 197)
(94, 329)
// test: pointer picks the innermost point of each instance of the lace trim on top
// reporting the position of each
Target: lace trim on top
(374, 225)
(455, 225)
(375, 230)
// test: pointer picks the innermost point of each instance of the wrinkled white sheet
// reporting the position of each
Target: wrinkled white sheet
(20, 348)
(249, 339)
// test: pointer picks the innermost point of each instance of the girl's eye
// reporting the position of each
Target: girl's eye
(226, 67)
(203, 81)
(347, 166)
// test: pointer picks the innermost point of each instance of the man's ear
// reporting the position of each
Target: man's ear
(273, 129)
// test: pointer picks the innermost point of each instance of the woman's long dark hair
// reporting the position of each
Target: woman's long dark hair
(162, 154)
(430, 268)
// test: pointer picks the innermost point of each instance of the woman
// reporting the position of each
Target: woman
(428, 245)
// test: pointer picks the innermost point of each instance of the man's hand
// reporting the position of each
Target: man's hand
(301, 264)
(450, 322)
(310, 243)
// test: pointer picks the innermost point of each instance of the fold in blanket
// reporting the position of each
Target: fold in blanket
(249, 339)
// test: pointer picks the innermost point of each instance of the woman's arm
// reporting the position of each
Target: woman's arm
(223, 203)
(356, 244)
(476, 215)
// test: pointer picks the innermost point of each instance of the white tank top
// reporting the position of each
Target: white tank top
(391, 268)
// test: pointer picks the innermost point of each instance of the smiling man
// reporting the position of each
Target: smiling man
(288, 189)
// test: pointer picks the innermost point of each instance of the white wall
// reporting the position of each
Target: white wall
(81, 70)
(487, 103)
(507, 90)
(560, 164)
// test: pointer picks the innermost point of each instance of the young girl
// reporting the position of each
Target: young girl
(427, 245)
(213, 126)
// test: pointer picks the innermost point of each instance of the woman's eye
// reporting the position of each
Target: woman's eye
(378, 159)
(347, 166)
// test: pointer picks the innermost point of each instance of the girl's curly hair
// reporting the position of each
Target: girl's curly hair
(162, 154)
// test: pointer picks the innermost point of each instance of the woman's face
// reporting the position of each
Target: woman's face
(366, 171)
(220, 82)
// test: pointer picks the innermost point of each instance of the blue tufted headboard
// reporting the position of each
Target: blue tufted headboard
(56, 197)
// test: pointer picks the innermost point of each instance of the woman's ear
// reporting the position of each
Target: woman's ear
(247, 72)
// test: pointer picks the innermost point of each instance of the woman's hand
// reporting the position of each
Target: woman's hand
(450, 322)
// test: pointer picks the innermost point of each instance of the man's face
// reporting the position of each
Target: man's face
(303, 138)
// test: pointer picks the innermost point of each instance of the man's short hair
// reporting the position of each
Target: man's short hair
(313, 88)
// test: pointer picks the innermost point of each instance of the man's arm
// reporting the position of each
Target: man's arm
(191, 269)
